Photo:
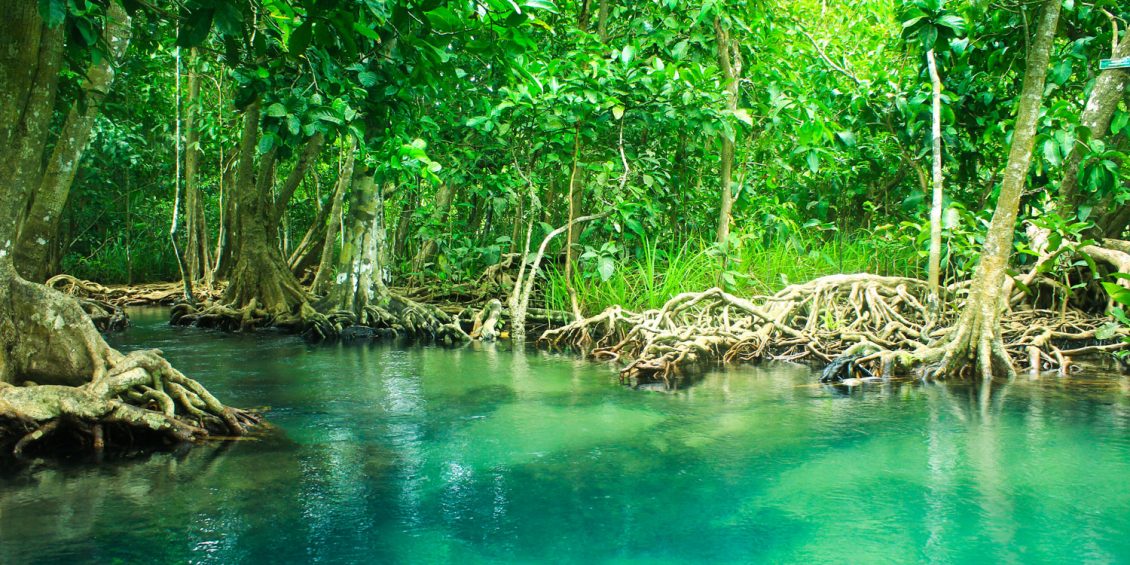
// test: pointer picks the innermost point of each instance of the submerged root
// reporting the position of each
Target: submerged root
(393, 317)
(884, 320)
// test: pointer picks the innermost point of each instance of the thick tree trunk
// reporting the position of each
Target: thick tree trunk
(731, 71)
(358, 284)
(935, 263)
(1109, 89)
(55, 368)
(977, 336)
(260, 276)
(324, 276)
(444, 195)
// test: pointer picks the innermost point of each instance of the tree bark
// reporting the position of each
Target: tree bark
(976, 338)
(198, 256)
(37, 254)
(444, 195)
(1110, 87)
(731, 70)
(358, 284)
(935, 261)
(322, 279)
(260, 276)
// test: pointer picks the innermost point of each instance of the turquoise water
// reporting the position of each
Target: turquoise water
(422, 455)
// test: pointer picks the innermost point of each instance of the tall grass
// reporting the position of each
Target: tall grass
(756, 266)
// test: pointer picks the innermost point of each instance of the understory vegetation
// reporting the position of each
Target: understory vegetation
(925, 187)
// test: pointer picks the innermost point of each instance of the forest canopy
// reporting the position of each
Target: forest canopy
(910, 183)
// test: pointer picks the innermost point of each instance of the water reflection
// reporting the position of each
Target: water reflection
(486, 454)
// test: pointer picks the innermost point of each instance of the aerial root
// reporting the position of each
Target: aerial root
(885, 320)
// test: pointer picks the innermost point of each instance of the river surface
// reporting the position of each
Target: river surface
(386, 454)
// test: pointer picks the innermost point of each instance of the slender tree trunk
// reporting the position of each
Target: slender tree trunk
(37, 255)
(1110, 88)
(228, 205)
(182, 264)
(309, 156)
(731, 71)
(403, 224)
(935, 264)
(444, 195)
(573, 236)
(602, 21)
(322, 279)
(977, 335)
(308, 250)
(197, 252)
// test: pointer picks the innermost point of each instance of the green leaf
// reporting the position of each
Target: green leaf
(300, 37)
(276, 110)
(618, 112)
(606, 267)
(743, 115)
(813, 161)
(368, 79)
(266, 143)
(1106, 331)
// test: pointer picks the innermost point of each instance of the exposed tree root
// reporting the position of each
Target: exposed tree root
(56, 373)
(394, 316)
(131, 295)
(885, 320)
(391, 318)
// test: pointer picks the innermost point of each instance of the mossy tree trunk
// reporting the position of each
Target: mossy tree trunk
(198, 256)
(260, 276)
(345, 177)
(976, 338)
(56, 371)
(37, 254)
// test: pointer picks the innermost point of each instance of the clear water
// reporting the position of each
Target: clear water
(392, 455)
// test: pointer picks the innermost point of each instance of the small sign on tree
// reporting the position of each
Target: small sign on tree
(1123, 63)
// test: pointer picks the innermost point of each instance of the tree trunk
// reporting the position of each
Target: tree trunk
(37, 257)
(306, 159)
(322, 279)
(935, 264)
(444, 195)
(260, 276)
(359, 283)
(403, 224)
(198, 256)
(228, 205)
(731, 70)
(977, 336)
(307, 252)
(1109, 89)
(46, 339)
(576, 192)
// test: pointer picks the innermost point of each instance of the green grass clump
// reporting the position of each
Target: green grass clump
(754, 266)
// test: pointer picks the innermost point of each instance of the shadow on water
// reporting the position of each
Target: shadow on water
(483, 454)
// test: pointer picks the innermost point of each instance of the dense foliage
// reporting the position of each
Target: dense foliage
(482, 118)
